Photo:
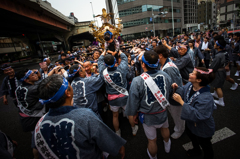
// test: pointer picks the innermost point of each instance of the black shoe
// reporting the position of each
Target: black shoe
(194, 153)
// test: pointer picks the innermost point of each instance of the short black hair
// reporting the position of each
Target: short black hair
(21, 73)
(151, 57)
(154, 41)
(57, 61)
(222, 42)
(109, 59)
(63, 54)
(215, 33)
(218, 37)
(191, 41)
(206, 78)
(161, 49)
(237, 34)
(49, 87)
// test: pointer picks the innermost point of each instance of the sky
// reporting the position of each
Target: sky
(82, 9)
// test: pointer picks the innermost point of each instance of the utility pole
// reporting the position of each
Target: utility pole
(206, 13)
(153, 22)
(172, 17)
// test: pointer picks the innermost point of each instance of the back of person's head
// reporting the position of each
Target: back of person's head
(151, 57)
(74, 69)
(221, 42)
(109, 59)
(49, 87)
(206, 75)
(216, 38)
(21, 73)
(63, 54)
(161, 49)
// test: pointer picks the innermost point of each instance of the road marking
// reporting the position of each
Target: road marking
(218, 136)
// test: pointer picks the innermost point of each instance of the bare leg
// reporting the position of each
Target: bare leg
(35, 153)
(219, 92)
(165, 134)
(115, 121)
(229, 79)
(152, 147)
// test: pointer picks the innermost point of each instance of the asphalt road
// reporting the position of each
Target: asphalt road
(228, 116)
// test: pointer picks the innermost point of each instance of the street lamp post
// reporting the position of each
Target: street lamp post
(93, 14)
(155, 16)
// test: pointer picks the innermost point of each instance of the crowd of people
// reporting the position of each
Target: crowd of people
(62, 103)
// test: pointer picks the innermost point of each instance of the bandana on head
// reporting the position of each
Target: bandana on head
(58, 95)
(74, 72)
(109, 33)
(219, 45)
(6, 68)
(29, 72)
(112, 64)
(44, 60)
(203, 72)
(182, 46)
(148, 64)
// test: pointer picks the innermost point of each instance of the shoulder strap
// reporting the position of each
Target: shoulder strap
(169, 64)
(116, 87)
(41, 143)
(155, 90)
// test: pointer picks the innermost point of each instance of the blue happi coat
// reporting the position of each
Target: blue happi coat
(72, 132)
(84, 92)
(141, 98)
(118, 75)
(197, 112)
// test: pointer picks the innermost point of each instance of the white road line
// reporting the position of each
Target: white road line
(218, 136)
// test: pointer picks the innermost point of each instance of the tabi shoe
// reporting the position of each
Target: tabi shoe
(176, 135)
(150, 156)
(134, 130)
(236, 74)
(234, 86)
(214, 95)
(118, 132)
(219, 103)
(167, 145)
(194, 153)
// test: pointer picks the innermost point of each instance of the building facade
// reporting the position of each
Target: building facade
(112, 7)
(207, 13)
(190, 15)
(228, 14)
(137, 18)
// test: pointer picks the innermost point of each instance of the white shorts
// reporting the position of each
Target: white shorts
(151, 131)
(228, 73)
(116, 108)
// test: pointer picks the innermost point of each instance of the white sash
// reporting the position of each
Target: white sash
(9, 144)
(155, 90)
(169, 64)
(41, 143)
(116, 87)
(38, 113)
